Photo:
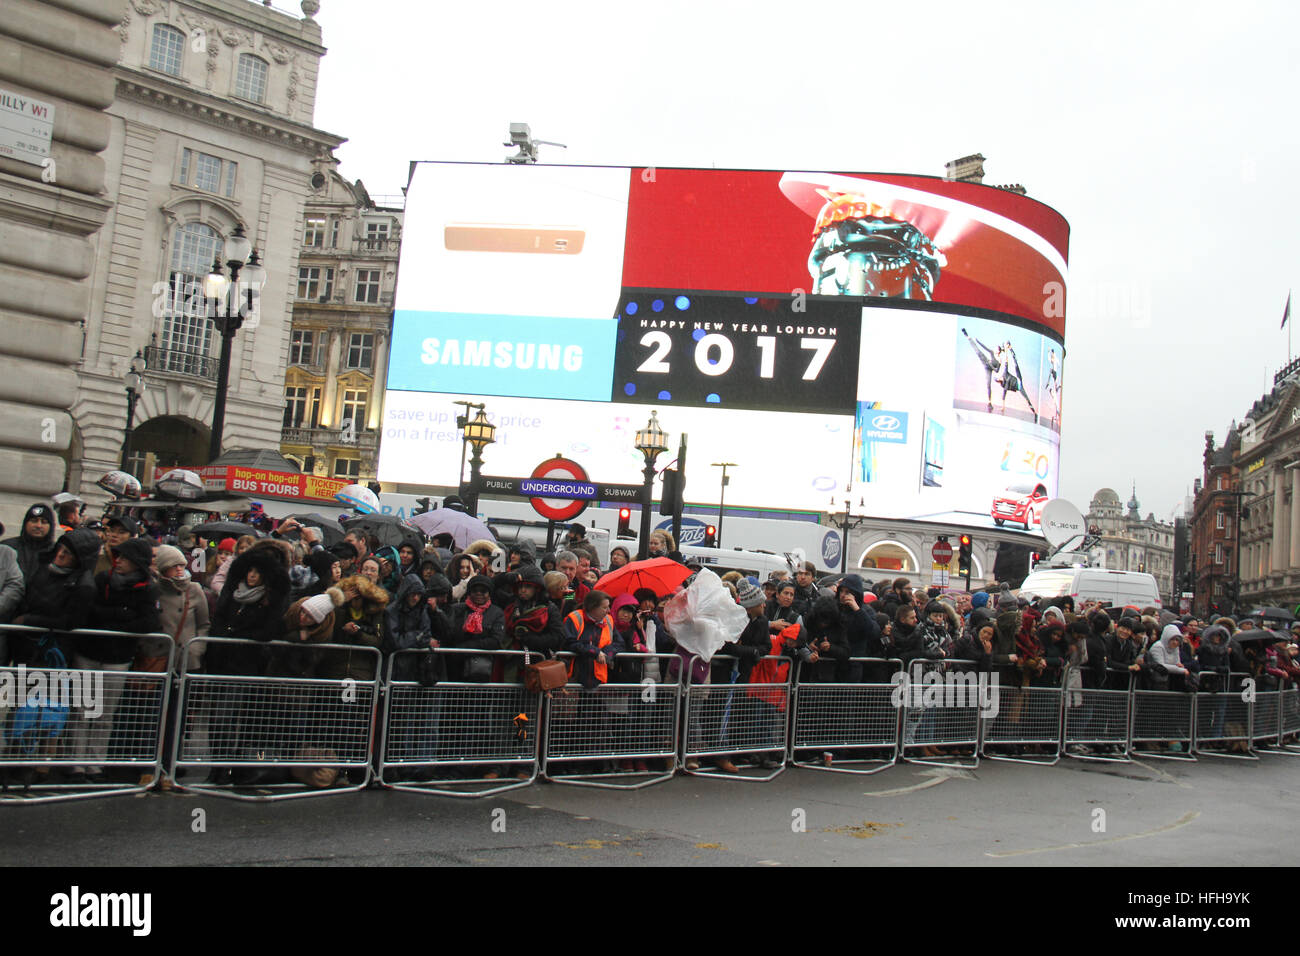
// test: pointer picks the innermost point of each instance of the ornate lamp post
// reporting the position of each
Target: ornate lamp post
(651, 442)
(134, 380)
(228, 316)
(479, 433)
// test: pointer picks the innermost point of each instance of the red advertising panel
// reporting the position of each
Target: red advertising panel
(860, 234)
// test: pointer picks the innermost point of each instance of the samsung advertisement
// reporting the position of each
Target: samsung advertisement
(893, 339)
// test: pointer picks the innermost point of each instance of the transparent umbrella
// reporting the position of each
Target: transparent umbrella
(180, 483)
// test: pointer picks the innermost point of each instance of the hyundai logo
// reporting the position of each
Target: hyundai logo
(886, 423)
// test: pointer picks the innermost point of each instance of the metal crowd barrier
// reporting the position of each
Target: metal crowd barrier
(58, 724)
(828, 719)
(1165, 717)
(1098, 718)
(1224, 717)
(612, 724)
(1266, 717)
(307, 735)
(941, 709)
(458, 738)
(1288, 719)
(728, 720)
(1027, 717)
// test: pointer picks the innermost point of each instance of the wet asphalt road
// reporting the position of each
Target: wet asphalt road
(1154, 813)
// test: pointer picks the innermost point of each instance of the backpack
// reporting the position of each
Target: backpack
(42, 720)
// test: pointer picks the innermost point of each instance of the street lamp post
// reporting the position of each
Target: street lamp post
(228, 317)
(722, 498)
(134, 389)
(846, 526)
(651, 442)
(479, 433)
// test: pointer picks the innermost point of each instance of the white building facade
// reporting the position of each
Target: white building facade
(211, 129)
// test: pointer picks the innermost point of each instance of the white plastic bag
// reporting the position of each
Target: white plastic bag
(704, 616)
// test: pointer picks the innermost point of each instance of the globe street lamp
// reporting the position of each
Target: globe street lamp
(479, 433)
(134, 381)
(229, 316)
(651, 442)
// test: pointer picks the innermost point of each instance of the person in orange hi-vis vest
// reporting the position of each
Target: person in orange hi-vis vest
(589, 636)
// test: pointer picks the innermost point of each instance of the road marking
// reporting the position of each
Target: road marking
(1182, 821)
(769, 862)
(1161, 773)
(937, 776)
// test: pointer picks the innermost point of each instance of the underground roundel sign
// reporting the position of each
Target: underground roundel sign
(560, 489)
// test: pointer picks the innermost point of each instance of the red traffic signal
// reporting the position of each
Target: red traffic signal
(625, 523)
(964, 555)
(710, 536)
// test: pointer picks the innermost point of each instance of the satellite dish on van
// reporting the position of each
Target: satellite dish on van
(1062, 523)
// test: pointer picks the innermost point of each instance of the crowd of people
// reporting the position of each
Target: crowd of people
(287, 591)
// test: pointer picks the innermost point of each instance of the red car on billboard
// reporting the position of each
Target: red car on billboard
(1020, 503)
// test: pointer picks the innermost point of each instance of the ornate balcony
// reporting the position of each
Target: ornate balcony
(179, 362)
(364, 441)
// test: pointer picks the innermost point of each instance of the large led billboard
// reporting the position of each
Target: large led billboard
(893, 339)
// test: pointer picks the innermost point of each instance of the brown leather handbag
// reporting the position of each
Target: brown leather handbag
(545, 676)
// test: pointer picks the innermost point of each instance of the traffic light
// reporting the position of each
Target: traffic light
(710, 536)
(670, 503)
(963, 555)
(1034, 558)
(625, 523)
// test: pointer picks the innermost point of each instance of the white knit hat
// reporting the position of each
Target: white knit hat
(318, 607)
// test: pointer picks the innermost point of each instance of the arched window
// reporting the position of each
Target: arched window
(250, 78)
(186, 329)
(167, 49)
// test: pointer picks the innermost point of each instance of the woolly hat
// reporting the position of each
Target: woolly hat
(979, 599)
(138, 552)
(319, 606)
(227, 546)
(1006, 600)
(167, 557)
(748, 596)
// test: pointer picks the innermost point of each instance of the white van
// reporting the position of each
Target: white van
(722, 560)
(1116, 588)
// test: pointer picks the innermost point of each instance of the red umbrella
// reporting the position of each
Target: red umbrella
(661, 575)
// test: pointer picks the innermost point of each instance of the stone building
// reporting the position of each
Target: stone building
(342, 320)
(56, 67)
(211, 129)
(1129, 542)
(1268, 465)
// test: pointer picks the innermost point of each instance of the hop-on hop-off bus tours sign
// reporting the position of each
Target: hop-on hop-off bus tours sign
(26, 127)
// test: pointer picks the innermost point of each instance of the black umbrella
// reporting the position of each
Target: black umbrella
(1253, 635)
(389, 529)
(329, 527)
(225, 529)
(1279, 614)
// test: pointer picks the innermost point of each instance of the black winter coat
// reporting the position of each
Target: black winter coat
(968, 647)
(754, 643)
(32, 552)
(122, 603)
(262, 621)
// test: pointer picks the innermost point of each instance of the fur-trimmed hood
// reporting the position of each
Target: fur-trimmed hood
(375, 597)
(269, 563)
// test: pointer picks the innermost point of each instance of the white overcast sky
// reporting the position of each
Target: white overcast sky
(1164, 133)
